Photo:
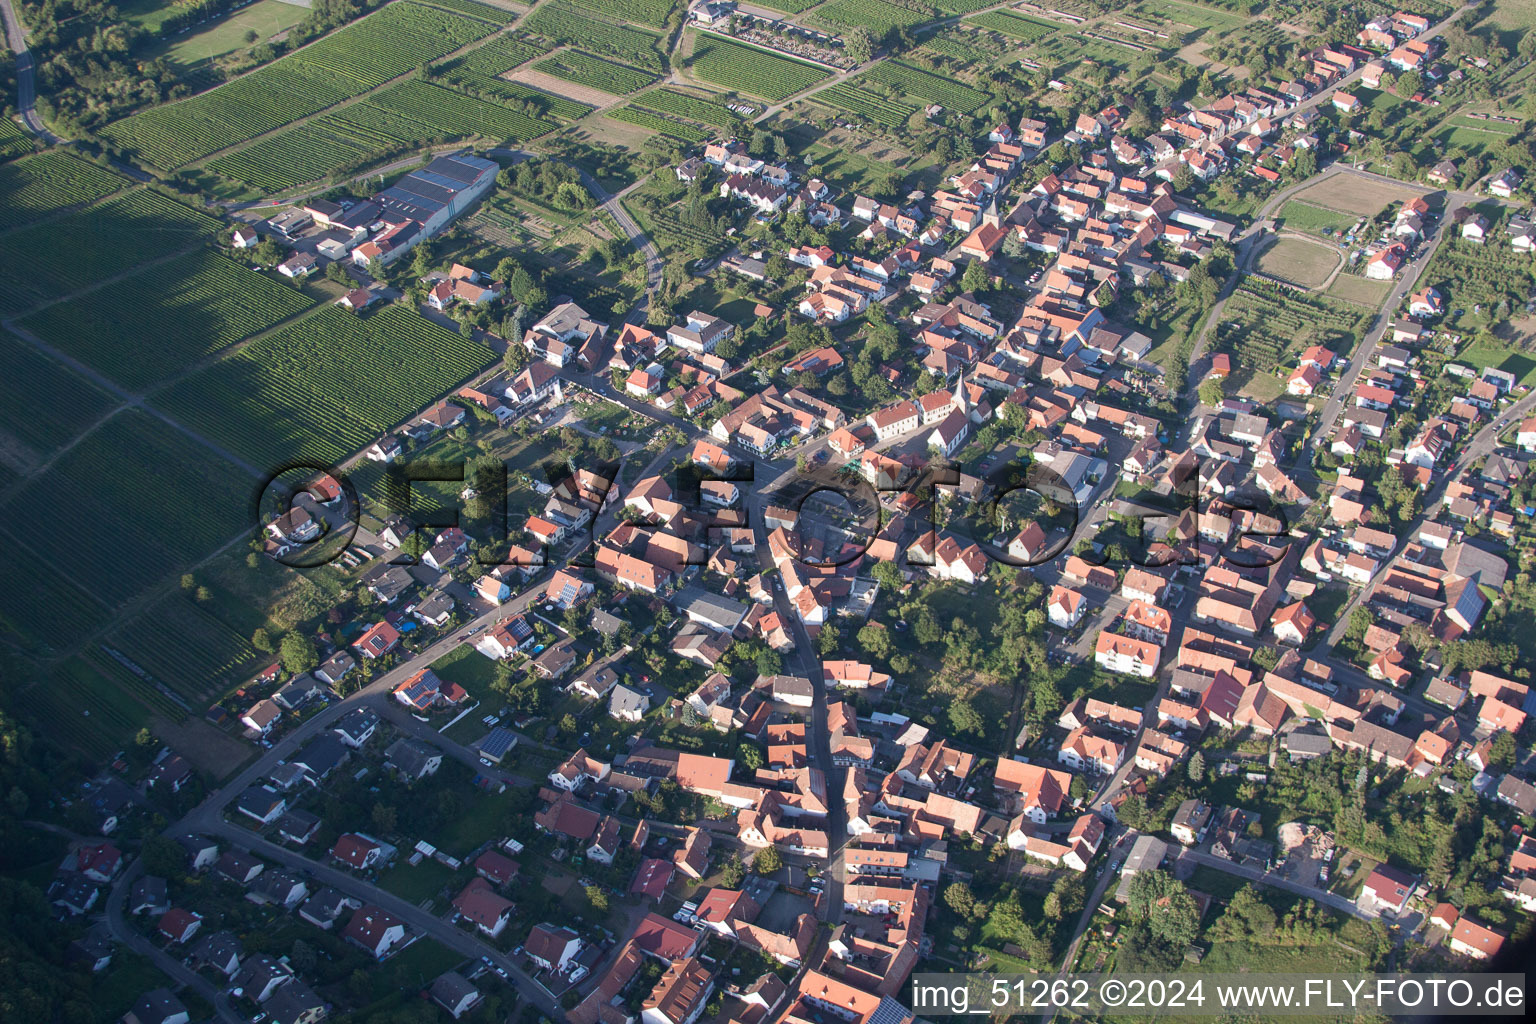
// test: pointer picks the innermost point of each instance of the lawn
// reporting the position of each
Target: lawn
(1315, 220)
(1302, 263)
(482, 818)
(265, 17)
(416, 882)
(1522, 365)
(1360, 290)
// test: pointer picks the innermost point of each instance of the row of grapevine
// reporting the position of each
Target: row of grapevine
(879, 16)
(585, 69)
(656, 122)
(43, 403)
(693, 108)
(46, 261)
(644, 12)
(911, 81)
(198, 304)
(866, 105)
(347, 63)
(49, 182)
(325, 387)
(562, 24)
(752, 70)
(187, 649)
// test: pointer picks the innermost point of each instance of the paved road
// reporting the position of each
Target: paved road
(26, 74)
(124, 932)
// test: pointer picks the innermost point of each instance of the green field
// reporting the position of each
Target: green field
(1362, 290)
(585, 69)
(184, 646)
(386, 44)
(43, 403)
(197, 304)
(265, 17)
(1502, 357)
(48, 183)
(879, 16)
(752, 70)
(168, 500)
(1315, 220)
(325, 387)
(867, 105)
(1015, 25)
(47, 261)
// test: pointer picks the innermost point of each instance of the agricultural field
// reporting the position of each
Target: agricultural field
(866, 105)
(496, 57)
(1265, 325)
(1361, 290)
(227, 34)
(186, 647)
(323, 388)
(966, 46)
(13, 141)
(644, 12)
(585, 69)
(398, 119)
(38, 609)
(788, 6)
(658, 123)
(1362, 197)
(1014, 25)
(750, 69)
(169, 500)
(879, 16)
(1302, 263)
(198, 304)
(87, 708)
(925, 86)
(566, 24)
(668, 101)
(43, 404)
(49, 182)
(47, 261)
(363, 56)
(1296, 215)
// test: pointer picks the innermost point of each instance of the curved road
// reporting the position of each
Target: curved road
(26, 74)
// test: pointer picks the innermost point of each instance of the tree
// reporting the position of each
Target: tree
(859, 44)
(298, 653)
(768, 662)
(1502, 753)
(188, 581)
(163, 857)
(568, 724)
(975, 278)
(1211, 392)
(876, 640)
(959, 898)
(384, 818)
(597, 898)
(144, 738)
(963, 718)
(751, 756)
(888, 575)
(1197, 767)
(767, 860)
(261, 640)
(1052, 906)
(732, 874)
(1161, 902)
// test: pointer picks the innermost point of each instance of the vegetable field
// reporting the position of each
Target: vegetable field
(915, 82)
(197, 304)
(752, 70)
(325, 387)
(48, 261)
(347, 63)
(44, 184)
(43, 403)
(1269, 322)
(564, 24)
(168, 499)
(656, 122)
(694, 109)
(585, 69)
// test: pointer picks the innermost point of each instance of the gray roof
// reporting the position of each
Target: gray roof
(411, 755)
(605, 623)
(625, 700)
(155, 1006)
(451, 987)
(292, 1001)
(711, 609)
(357, 721)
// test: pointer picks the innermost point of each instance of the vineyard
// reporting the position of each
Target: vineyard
(37, 608)
(658, 123)
(167, 498)
(585, 69)
(325, 387)
(347, 63)
(197, 304)
(1266, 324)
(49, 260)
(13, 141)
(694, 109)
(1015, 25)
(86, 705)
(865, 104)
(49, 182)
(966, 47)
(43, 403)
(752, 70)
(911, 81)
(472, 8)
(879, 16)
(563, 24)
(496, 57)
(187, 649)
(646, 12)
